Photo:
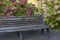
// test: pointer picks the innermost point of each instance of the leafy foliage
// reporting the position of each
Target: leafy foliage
(52, 19)
(14, 8)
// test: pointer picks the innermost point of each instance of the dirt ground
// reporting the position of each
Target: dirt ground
(32, 35)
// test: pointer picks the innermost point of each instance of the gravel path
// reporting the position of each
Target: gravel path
(32, 35)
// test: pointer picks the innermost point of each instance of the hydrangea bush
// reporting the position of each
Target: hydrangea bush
(17, 8)
(53, 9)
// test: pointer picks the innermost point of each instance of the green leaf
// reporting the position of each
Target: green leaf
(59, 3)
(0, 14)
(51, 11)
(3, 7)
(51, 5)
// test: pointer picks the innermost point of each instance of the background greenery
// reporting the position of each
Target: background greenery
(53, 9)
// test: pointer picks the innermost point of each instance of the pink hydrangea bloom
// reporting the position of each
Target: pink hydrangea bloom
(0, 3)
(49, 0)
(10, 14)
(15, 3)
(11, 8)
(43, 1)
(22, 2)
(4, 14)
(15, 10)
(7, 7)
(29, 13)
(28, 7)
(22, 10)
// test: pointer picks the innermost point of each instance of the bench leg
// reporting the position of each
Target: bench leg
(42, 30)
(19, 34)
(48, 30)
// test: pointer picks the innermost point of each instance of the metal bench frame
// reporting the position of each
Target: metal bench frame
(20, 29)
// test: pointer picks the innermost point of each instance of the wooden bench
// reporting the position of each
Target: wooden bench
(20, 24)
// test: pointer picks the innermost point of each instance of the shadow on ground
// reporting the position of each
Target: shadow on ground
(32, 35)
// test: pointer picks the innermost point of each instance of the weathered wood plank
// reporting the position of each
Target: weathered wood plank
(23, 28)
(21, 23)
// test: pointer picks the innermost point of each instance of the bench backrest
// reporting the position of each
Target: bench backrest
(21, 21)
